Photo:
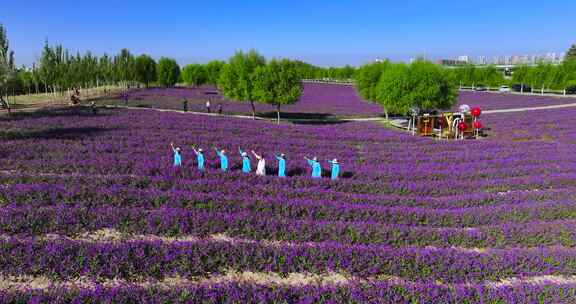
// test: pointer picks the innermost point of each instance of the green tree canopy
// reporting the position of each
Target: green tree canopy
(7, 69)
(421, 84)
(366, 79)
(168, 71)
(235, 81)
(277, 83)
(213, 69)
(124, 66)
(145, 69)
(194, 74)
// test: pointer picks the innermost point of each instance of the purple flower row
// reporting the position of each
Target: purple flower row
(377, 292)
(65, 220)
(68, 259)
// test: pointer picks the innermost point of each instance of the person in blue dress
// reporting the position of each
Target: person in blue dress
(281, 165)
(199, 158)
(223, 159)
(245, 161)
(316, 168)
(177, 155)
(335, 168)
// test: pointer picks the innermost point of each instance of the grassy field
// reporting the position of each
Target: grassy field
(59, 98)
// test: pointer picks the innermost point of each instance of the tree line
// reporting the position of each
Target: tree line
(543, 76)
(59, 70)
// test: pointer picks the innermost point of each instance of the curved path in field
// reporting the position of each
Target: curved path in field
(568, 105)
(496, 111)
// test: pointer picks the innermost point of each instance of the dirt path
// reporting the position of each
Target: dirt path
(312, 120)
(568, 105)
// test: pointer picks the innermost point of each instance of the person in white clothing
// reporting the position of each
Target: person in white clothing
(261, 167)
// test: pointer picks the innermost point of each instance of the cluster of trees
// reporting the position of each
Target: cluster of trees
(399, 87)
(58, 71)
(544, 76)
(471, 76)
(198, 74)
(547, 76)
(247, 77)
(7, 70)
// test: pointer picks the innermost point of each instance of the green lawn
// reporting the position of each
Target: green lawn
(43, 98)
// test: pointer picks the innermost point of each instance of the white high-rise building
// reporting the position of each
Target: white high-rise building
(482, 60)
(464, 58)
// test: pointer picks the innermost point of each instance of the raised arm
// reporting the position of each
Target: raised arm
(172, 146)
(256, 155)
(240, 151)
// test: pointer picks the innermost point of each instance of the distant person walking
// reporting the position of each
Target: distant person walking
(281, 164)
(220, 109)
(125, 96)
(245, 161)
(177, 155)
(223, 159)
(261, 167)
(335, 169)
(316, 168)
(93, 108)
(208, 106)
(185, 105)
(199, 158)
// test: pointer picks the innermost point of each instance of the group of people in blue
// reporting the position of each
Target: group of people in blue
(261, 164)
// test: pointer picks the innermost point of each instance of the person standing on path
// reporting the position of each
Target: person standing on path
(281, 164)
(261, 167)
(335, 169)
(223, 159)
(208, 106)
(177, 155)
(220, 109)
(245, 161)
(199, 158)
(316, 168)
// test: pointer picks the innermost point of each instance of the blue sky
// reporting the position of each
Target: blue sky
(321, 32)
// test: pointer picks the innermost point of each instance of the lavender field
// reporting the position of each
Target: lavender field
(92, 210)
(494, 101)
(318, 100)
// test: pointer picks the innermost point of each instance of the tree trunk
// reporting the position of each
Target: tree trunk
(278, 114)
(253, 110)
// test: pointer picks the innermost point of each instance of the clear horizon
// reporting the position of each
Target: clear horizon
(322, 33)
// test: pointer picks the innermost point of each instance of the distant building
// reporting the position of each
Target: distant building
(451, 62)
(482, 60)
(464, 58)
